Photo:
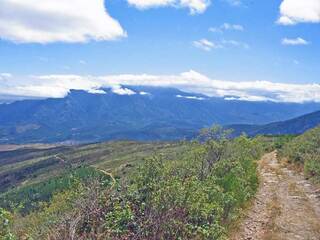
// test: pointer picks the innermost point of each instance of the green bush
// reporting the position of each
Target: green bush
(5, 225)
(195, 196)
(305, 150)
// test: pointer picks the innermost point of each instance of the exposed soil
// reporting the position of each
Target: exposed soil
(286, 207)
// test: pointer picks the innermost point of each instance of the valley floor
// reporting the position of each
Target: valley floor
(286, 207)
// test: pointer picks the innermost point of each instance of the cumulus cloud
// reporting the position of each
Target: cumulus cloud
(46, 21)
(294, 41)
(58, 86)
(226, 27)
(299, 11)
(195, 6)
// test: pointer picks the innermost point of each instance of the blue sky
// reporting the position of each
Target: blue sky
(246, 44)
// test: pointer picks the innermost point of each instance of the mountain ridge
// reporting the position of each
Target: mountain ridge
(293, 126)
(151, 113)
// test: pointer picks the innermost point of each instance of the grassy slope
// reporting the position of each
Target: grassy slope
(33, 165)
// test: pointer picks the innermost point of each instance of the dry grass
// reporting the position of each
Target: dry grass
(274, 211)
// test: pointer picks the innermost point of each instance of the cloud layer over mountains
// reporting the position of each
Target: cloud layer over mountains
(58, 86)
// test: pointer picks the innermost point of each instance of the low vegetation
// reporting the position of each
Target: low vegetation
(26, 165)
(29, 198)
(196, 195)
(304, 150)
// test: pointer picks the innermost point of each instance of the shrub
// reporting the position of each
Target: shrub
(195, 196)
(5, 225)
(305, 150)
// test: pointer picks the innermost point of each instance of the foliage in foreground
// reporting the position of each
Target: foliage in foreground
(305, 150)
(196, 196)
(5, 223)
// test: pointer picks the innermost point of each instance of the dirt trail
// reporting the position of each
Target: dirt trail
(287, 207)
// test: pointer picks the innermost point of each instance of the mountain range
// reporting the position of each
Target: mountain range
(136, 113)
(293, 126)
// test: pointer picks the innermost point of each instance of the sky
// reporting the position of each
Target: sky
(254, 50)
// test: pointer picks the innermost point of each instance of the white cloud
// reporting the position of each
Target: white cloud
(145, 4)
(46, 21)
(195, 6)
(299, 11)
(144, 93)
(226, 27)
(5, 75)
(294, 41)
(191, 97)
(57, 86)
(117, 89)
(236, 27)
(96, 91)
(206, 45)
(284, 20)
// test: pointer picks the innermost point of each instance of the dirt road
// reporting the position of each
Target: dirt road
(287, 207)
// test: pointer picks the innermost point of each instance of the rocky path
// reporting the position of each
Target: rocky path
(287, 207)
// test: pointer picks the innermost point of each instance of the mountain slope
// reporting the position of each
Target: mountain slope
(30, 164)
(294, 126)
(150, 114)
